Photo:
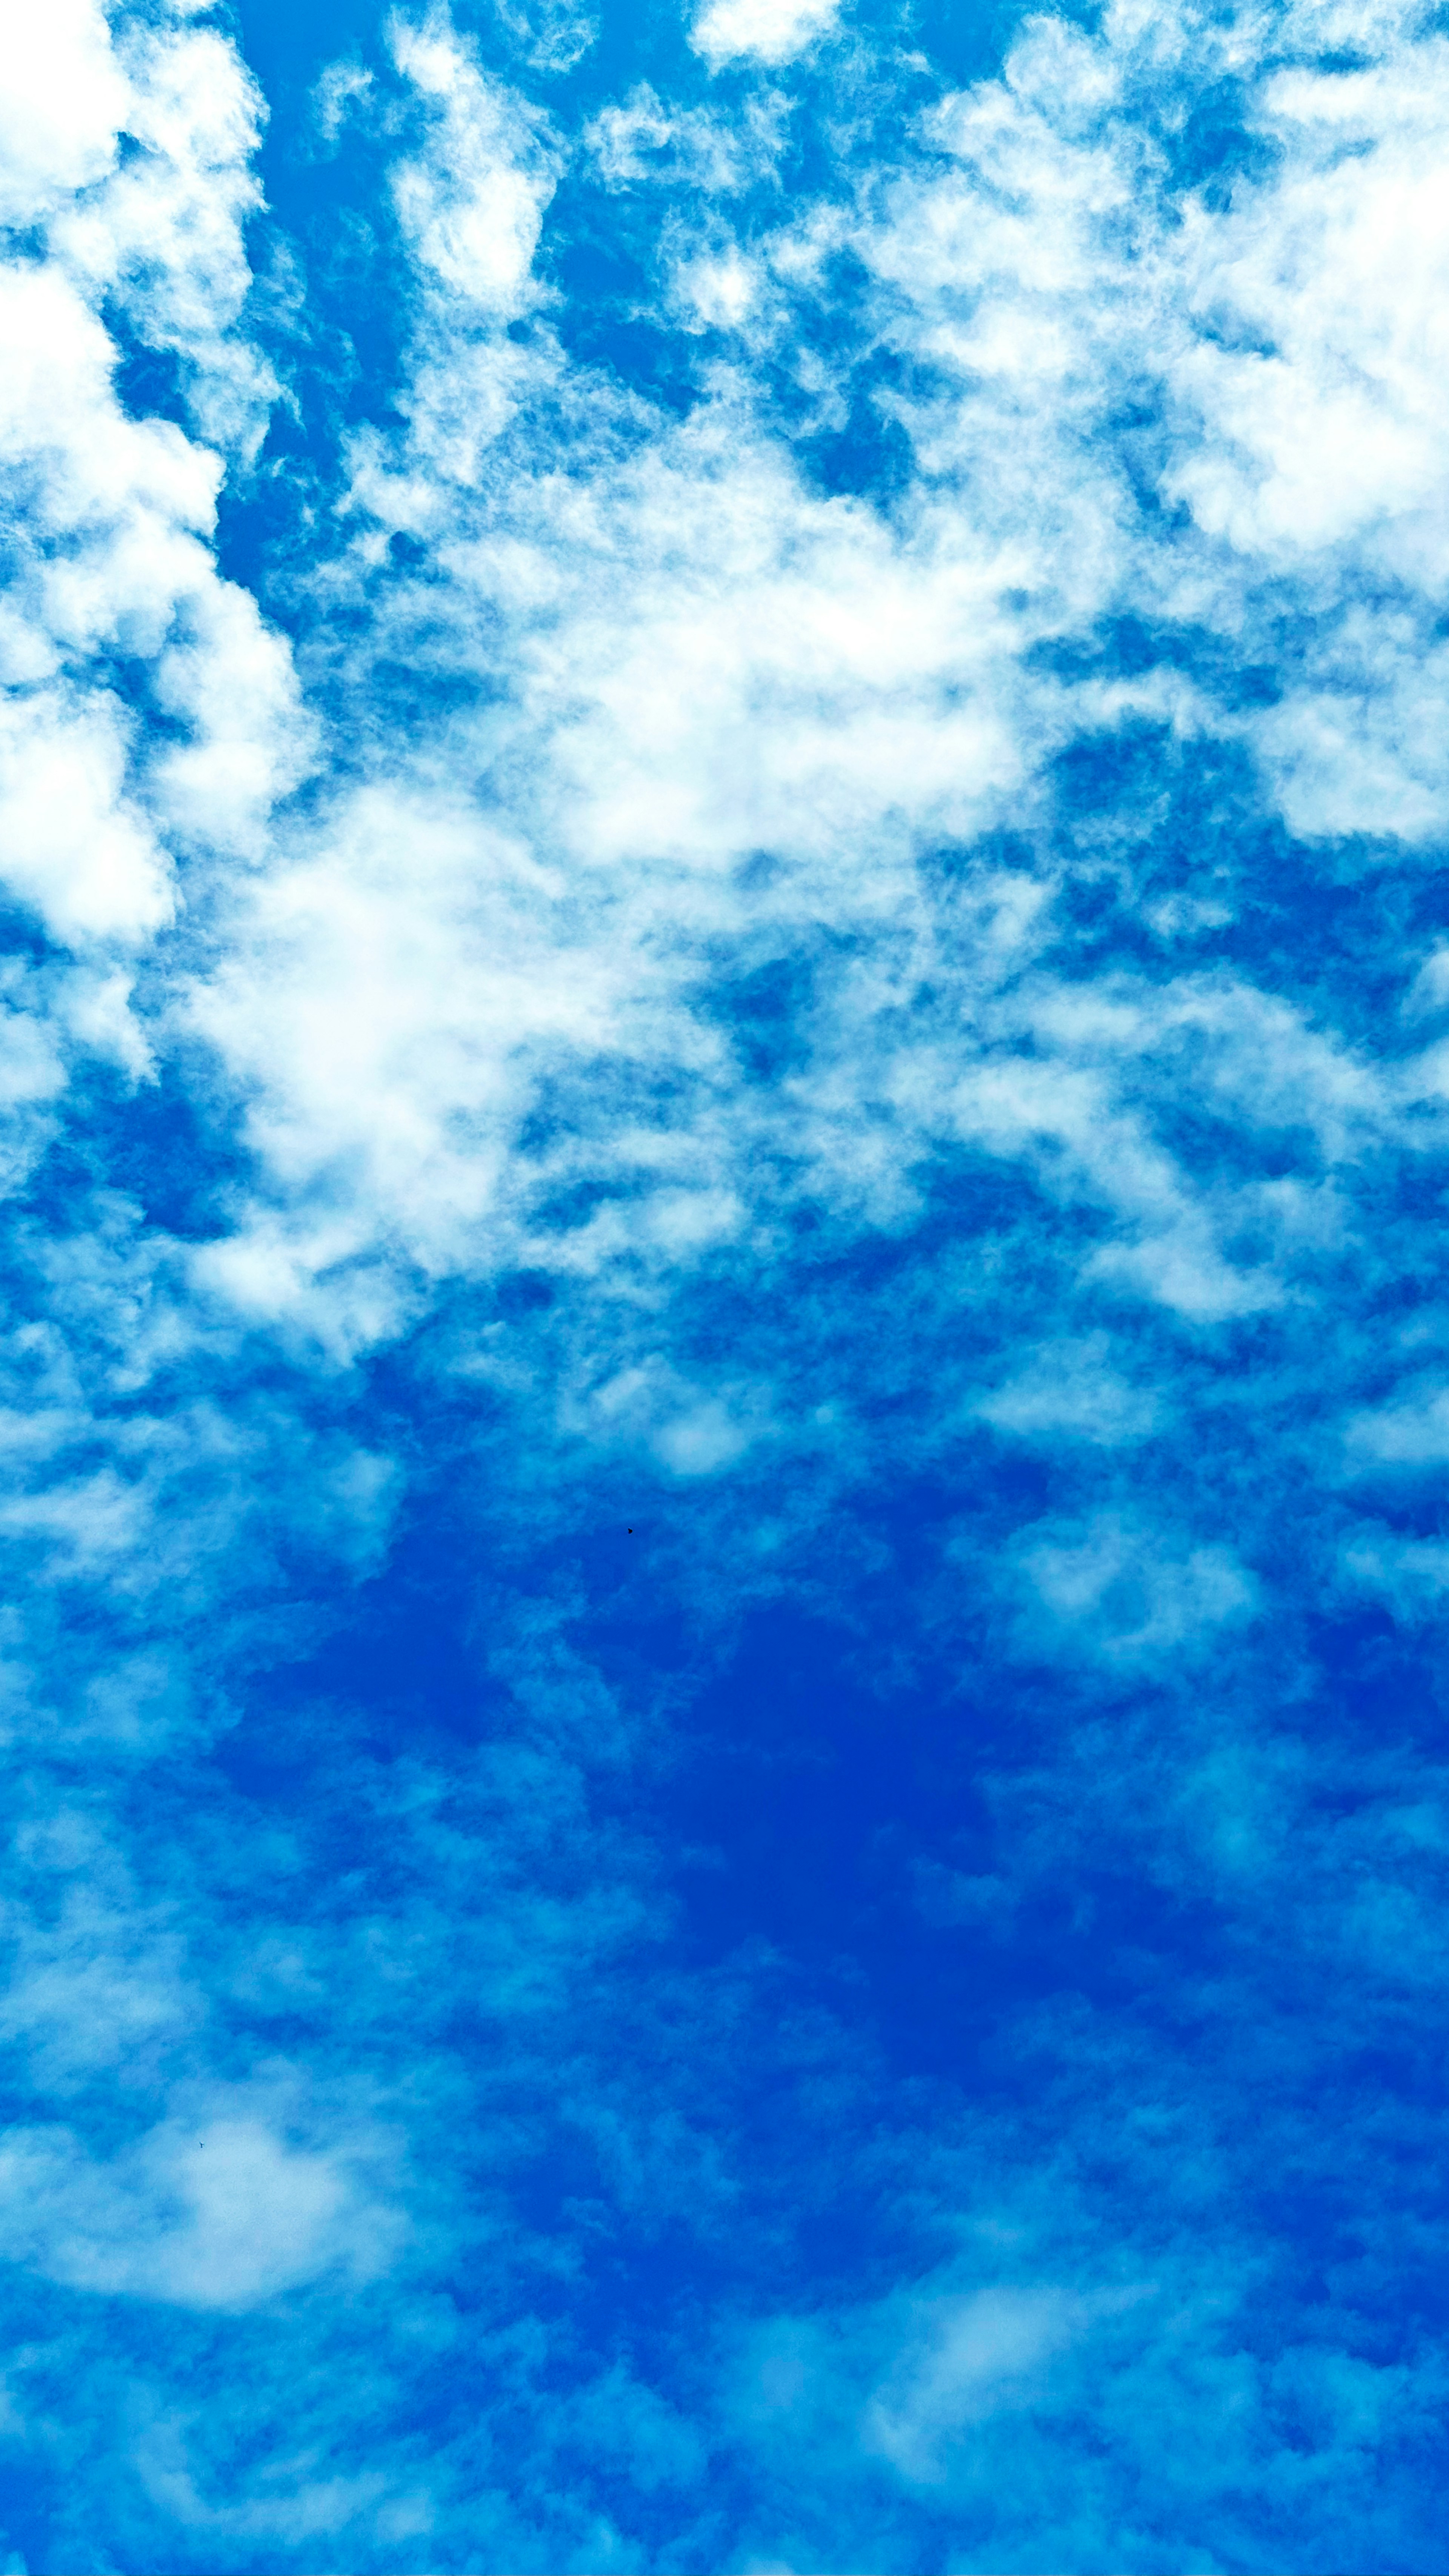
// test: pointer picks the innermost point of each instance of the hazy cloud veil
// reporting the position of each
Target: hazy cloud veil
(724, 778)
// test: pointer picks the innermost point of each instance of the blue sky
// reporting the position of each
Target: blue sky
(725, 1133)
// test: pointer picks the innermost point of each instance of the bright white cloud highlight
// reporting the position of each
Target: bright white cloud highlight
(764, 31)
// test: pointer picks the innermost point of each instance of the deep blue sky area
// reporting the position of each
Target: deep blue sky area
(723, 814)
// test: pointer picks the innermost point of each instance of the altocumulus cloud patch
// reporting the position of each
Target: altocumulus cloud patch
(725, 1130)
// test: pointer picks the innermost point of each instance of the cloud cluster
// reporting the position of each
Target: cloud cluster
(148, 708)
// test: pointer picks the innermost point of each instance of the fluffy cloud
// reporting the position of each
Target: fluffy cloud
(65, 100)
(222, 2219)
(766, 31)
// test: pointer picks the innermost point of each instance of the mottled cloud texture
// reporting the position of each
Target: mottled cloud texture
(724, 1114)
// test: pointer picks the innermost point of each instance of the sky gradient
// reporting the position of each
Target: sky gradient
(724, 1119)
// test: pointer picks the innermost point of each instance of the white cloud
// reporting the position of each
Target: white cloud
(471, 207)
(1120, 1589)
(220, 2212)
(74, 847)
(643, 140)
(113, 558)
(337, 93)
(1411, 1433)
(64, 100)
(965, 2360)
(164, 234)
(717, 291)
(1412, 1575)
(764, 31)
(1071, 1391)
(1335, 266)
